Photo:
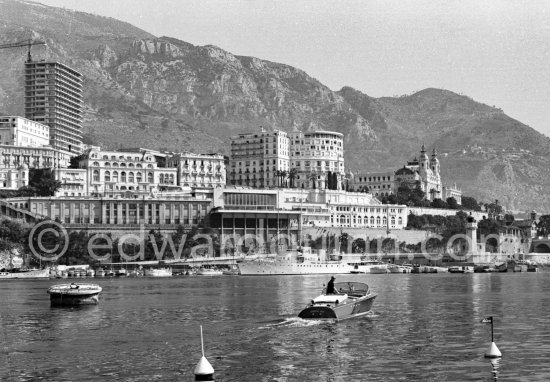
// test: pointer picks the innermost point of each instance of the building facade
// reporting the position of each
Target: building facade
(112, 173)
(15, 162)
(318, 158)
(198, 170)
(424, 170)
(74, 181)
(277, 159)
(53, 97)
(258, 159)
(19, 131)
(186, 211)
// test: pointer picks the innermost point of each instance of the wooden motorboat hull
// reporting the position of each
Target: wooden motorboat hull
(67, 300)
(338, 311)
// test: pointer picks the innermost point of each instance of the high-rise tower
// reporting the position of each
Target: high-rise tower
(53, 96)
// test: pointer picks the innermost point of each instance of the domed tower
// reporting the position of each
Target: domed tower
(423, 162)
(434, 163)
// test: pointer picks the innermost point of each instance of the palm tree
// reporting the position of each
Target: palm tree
(313, 177)
(283, 175)
(292, 174)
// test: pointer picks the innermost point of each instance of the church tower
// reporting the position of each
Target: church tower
(423, 163)
(435, 164)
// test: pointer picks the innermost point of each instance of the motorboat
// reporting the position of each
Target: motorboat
(136, 272)
(463, 269)
(100, 272)
(74, 294)
(232, 271)
(366, 266)
(25, 274)
(121, 272)
(158, 272)
(209, 272)
(352, 300)
(394, 268)
(379, 269)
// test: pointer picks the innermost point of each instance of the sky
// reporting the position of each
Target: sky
(496, 52)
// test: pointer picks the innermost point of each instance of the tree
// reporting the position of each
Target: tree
(470, 203)
(43, 180)
(283, 175)
(543, 226)
(292, 175)
(452, 203)
(389, 199)
(75, 161)
(438, 203)
(312, 176)
(27, 191)
(494, 208)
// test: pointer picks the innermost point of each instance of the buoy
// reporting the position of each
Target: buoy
(204, 371)
(493, 351)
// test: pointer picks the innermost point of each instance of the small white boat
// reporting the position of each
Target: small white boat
(121, 272)
(232, 271)
(90, 272)
(158, 272)
(209, 272)
(74, 294)
(394, 268)
(100, 272)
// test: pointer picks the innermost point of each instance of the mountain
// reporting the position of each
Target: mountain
(163, 93)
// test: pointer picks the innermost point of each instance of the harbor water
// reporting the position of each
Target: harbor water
(422, 328)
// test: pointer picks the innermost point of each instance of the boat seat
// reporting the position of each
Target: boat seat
(331, 298)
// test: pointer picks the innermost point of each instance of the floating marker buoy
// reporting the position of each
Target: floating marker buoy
(493, 351)
(204, 371)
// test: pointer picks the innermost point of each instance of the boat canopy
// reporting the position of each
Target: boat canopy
(351, 287)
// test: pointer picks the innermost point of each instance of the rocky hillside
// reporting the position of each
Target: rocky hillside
(163, 93)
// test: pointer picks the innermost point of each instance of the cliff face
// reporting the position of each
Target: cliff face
(168, 94)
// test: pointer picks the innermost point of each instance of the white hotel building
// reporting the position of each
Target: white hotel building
(257, 158)
(24, 145)
(198, 170)
(306, 160)
(111, 173)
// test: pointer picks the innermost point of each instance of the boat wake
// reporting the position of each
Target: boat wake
(295, 322)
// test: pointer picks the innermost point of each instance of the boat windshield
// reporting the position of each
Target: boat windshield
(351, 287)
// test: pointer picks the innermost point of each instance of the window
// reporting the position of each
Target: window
(150, 177)
(115, 176)
(107, 176)
(131, 177)
(96, 176)
(123, 177)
